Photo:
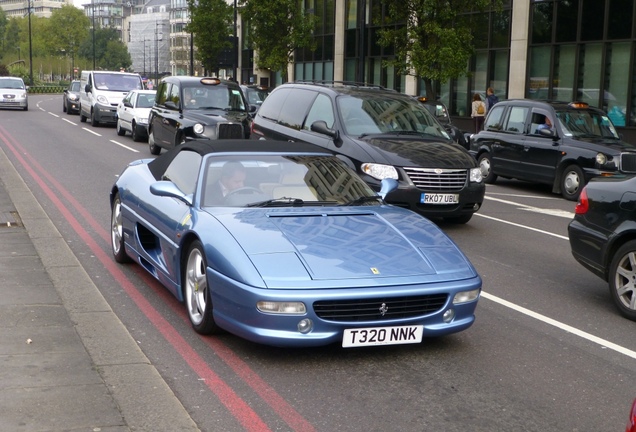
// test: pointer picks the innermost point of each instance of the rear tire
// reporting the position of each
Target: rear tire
(82, 116)
(117, 233)
(485, 165)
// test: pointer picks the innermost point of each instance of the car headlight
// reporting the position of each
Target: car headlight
(476, 175)
(601, 159)
(379, 171)
(102, 100)
(73, 97)
(284, 308)
(141, 120)
(198, 129)
(466, 296)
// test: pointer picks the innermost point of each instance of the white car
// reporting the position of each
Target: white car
(132, 113)
(13, 93)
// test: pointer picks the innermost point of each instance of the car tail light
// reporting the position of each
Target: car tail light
(583, 205)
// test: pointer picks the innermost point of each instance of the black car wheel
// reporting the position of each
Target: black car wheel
(64, 109)
(120, 131)
(82, 116)
(197, 290)
(622, 280)
(117, 232)
(485, 165)
(94, 121)
(154, 149)
(134, 133)
(572, 182)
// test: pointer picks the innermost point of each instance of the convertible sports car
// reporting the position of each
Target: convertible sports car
(283, 244)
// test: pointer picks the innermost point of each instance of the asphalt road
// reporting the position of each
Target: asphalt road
(547, 352)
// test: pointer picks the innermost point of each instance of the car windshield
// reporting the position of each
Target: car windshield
(213, 97)
(117, 82)
(381, 113)
(11, 83)
(75, 86)
(586, 124)
(282, 181)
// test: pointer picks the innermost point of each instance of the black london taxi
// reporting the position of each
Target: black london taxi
(557, 143)
(194, 108)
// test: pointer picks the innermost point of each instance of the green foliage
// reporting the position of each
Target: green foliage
(12, 36)
(277, 28)
(19, 70)
(211, 23)
(110, 52)
(3, 70)
(432, 38)
(67, 28)
(3, 27)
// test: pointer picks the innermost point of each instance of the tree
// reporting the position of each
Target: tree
(432, 39)
(107, 55)
(3, 27)
(277, 28)
(67, 28)
(12, 36)
(211, 23)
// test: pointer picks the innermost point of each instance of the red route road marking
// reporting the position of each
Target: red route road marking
(237, 406)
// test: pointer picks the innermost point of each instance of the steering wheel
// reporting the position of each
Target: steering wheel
(246, 190)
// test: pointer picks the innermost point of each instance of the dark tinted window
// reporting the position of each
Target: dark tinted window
(273, 104)
(162, 93)
(295, 108)
(620, 19)
(517, 119)
(567, 14)
(493, 121)
(183, 171)
(592, 20)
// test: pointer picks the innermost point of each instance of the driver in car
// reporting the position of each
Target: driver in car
(232, 178)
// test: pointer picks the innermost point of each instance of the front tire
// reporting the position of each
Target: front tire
(622, 280)
(572, 181)
(117, 232)
(134, 133)
(94, 121)
(120, 131)
(154, 149)
(485, 165)
(197, 291)
(82, 116)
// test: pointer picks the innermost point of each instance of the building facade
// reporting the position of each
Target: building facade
(41, 8)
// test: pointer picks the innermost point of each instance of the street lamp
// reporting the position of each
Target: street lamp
(30, 48)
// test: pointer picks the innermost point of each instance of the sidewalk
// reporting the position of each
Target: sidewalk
(66, 361)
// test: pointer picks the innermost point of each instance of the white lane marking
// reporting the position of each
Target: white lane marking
(523, 226)
(590, 337)
(125, 146)
(525, 196)
(551, 212)
(54, 115)
(68, 121)
(88, 130)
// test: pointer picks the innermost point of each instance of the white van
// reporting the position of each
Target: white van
(101, 92)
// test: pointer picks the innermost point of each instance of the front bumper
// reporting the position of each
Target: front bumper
(105, 113)
(235, 311)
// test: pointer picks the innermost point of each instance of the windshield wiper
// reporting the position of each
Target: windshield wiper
(210, 108)
(362, 200)
(285, 201)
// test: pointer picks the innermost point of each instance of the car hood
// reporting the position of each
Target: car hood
(289, 246)
(416, 151)
(214, 116)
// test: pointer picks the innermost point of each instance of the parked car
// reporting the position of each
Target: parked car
(195, 107)
(440, 111)
(603, 237)
(581, 143)
(381, 134)
(255, 94)
(133, 112)
(13, 93)
(71, 98)
(283, 244)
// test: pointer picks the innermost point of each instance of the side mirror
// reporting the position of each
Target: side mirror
(320, 126)
(386, 186)
(171, 105)
(547, 132)
(253, 108)
(88, 88)
(168, 189)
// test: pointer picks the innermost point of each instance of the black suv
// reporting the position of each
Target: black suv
(381, 134)
(557, 143)
(193, 107)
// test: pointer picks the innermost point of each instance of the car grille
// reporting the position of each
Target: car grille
(229, 131)
(628, 162)
(437, 179)
(371, 309)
